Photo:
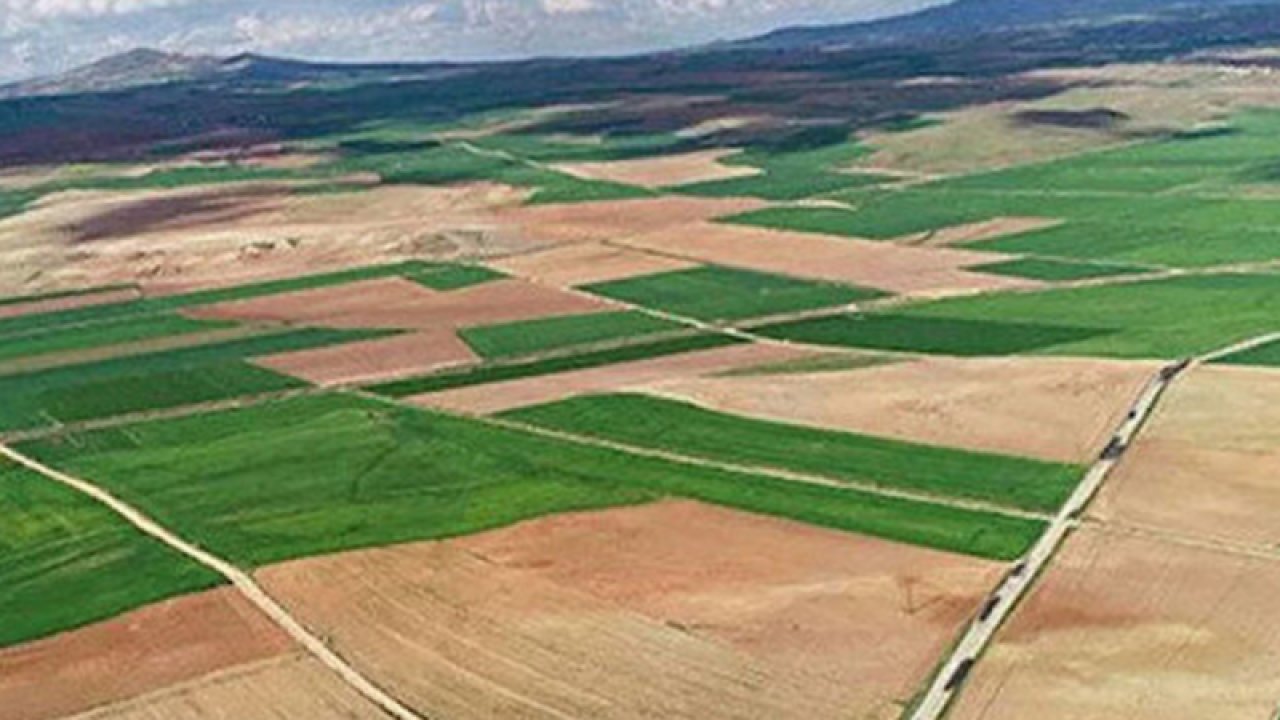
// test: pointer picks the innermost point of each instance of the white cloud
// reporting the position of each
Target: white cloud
(81, 8)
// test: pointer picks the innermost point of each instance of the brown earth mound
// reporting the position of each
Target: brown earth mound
(1129, 627)
(1055, 409)
(576, 265)
(884, 265)
(288, 688)
(497, 397)
(663, 171)
(673, 610)
(137, 653)
(1209, 462)
(374, 360)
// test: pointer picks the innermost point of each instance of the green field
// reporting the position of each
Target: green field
(155, 381)
(1056, 270)
(451, 380)
(530, 337)
(1266, 355)
(679, 427)
(324, 474)
(1168, 318)
(790, 175)
(717, 294)
(119, 332)
(66, 561)
(453, 277)
(901, 332)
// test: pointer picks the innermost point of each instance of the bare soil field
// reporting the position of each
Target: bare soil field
(973, 232)
(399, 303)
(500, 396)
(374, 360)
(614, 219)
(236, 235)
(285, 688)
(1130, 627)
(36, 307)
(143, 651)
(1209, 461)
(662, 171)
(1053, 409)
(674, 610)
(586, 263)
(887, 266)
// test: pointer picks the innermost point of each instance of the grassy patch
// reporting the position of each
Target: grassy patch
(719, 294)
(454, 277)
(325, 474)
(87, 337)
(66, 561)
(946, 336)
(1267, 355)
(790, 175)
(550, 366)
(530, 337)
(1056, 270)
(686, 429)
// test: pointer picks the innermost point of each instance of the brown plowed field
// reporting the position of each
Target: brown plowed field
(586, 263)
(884, 265)
(134, 654)
(674, 610)
(662, 171)
(287, 688)
(1054, 409)
(1209, 462)
(373, 360)
(36, 307)
(973, 232)
(613, 219)
(497, 397)
(399, 303)
(1128, 627)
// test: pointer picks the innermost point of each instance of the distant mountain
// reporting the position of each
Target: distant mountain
(972, 18)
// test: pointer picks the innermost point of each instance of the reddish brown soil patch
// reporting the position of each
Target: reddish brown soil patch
(143, 651)
(36, 307)
(497, 397)
(374, 360)
(399, 303)
(1128, 627)
(884, 265)
(292, 688)
(1054, 409)
(1209, 462)
(603, 221)
(673, 610)
(663, 171)
(575, 265)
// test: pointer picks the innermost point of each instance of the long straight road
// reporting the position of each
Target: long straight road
(950, 679)
(237, 577)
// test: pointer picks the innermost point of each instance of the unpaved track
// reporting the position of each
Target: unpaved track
(240, 579)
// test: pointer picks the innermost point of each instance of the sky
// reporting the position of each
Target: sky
(40, 37)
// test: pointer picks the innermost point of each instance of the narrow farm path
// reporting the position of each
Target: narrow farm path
(242, 581)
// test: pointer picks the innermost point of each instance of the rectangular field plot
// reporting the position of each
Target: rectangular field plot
(1266, 355)
(155, 381)
(323, 474)
(66, 561)
(553, 365)
(98, 335)
(1056, 270)
(944, 336)
(719, 294)
(550, 334)
(680, 427)
(1167, 318)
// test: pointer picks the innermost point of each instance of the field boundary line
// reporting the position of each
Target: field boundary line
(242, 581)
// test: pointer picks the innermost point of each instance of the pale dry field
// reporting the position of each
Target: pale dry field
(374, 360)
(36, 307)
(674, 610)
(500, 396)
(1131, 627)
(134, 654)
(1049, 408)
(662, 171)
(1209, 462)
(284, 688)
(586, 263)
(400, 303)
(973, 232)
(613, 219)
(911, 271)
